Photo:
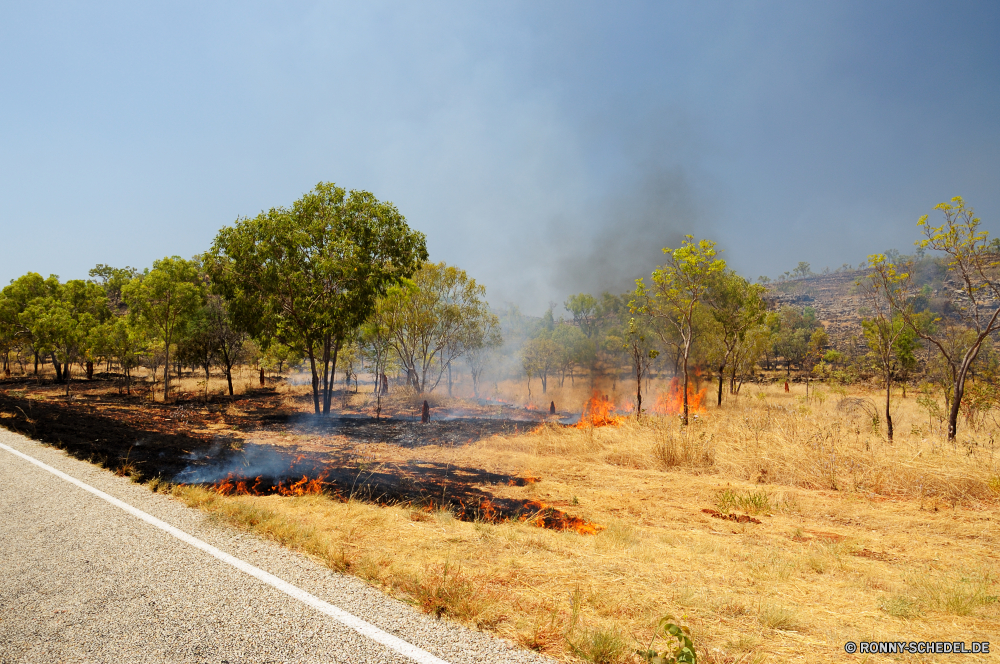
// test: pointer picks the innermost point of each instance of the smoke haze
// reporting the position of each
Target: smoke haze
(546, 149)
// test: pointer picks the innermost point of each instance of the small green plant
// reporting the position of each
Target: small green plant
(900, 606)
(994, 484)
(600, 646)
(751, 502)
(682, 653)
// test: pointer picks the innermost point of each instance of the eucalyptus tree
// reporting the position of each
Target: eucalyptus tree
(586, 312)
(119, 339)
(671, 300)
(434, 320)
(737, 306)
(164, 301)
(17, 296)
(309, 276)
(972, 289)
(112, 280)
(59, 323)
(577, 349)
(540, 357)
(637, 343)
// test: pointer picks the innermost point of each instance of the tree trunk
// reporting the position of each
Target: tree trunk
(166, 370)
(956, 402)
(888, 392)
(328, 396)
(722, 371)
(684, 387)
(326, 375)
(58, 368)
(638, 390)
(315, 378)
(449, 379)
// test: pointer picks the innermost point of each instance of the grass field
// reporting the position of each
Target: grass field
(858, 539)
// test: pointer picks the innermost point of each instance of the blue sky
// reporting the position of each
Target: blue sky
(547, 148)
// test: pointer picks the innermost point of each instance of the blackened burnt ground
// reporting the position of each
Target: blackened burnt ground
(213, 443)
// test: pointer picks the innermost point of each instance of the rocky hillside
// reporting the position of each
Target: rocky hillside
(830, 295)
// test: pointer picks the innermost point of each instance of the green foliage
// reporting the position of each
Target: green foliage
(600, 646)
(586, 311)
(52, 319)
(792, 333)
(113, 280)
(750, 502)
(435, 319)
(738, 308)
(671, 300)
(682, 653)
(802, 270)
(164, 301)
(311, 275)
(540, 357)
(121, 341)
(973, 267)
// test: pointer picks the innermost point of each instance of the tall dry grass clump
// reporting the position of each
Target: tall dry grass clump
(834, 442)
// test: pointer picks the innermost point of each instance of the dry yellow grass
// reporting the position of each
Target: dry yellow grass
(860, 539)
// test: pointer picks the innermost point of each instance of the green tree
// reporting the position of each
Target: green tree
(973, 288)
(377, 349)
(199, 347)
(640, 351)
(577, 349)
(586, 312)
(164, 301)
(737, 306)
(230, 341)
(479, 357)
(123, 342)
(112, 280)
(17, 296)
(311, 275)
(891, 342)
(540, 357)
(679, 285)
(802, 270)
(791, 331)
(436, 319)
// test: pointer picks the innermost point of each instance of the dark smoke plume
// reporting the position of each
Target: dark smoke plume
(625, 238)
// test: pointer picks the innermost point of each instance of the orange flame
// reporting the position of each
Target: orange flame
(599, 412)
(242, 487)
(553, 519)
(671, 402)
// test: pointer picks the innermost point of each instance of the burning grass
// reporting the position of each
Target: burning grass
(857, 538)
(466, 503)
(779, 527)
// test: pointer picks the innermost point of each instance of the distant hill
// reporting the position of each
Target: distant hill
(830, 295)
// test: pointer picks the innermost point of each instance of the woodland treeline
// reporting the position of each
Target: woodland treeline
(336, 279)
(337, 283)
(929, 318)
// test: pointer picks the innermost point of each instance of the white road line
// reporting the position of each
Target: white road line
(349, 620)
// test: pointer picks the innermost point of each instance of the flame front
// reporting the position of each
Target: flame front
(553, 519)
(599, 412)
(671, 402)
(243, 487)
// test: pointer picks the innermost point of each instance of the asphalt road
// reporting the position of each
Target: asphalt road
(82, 580)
